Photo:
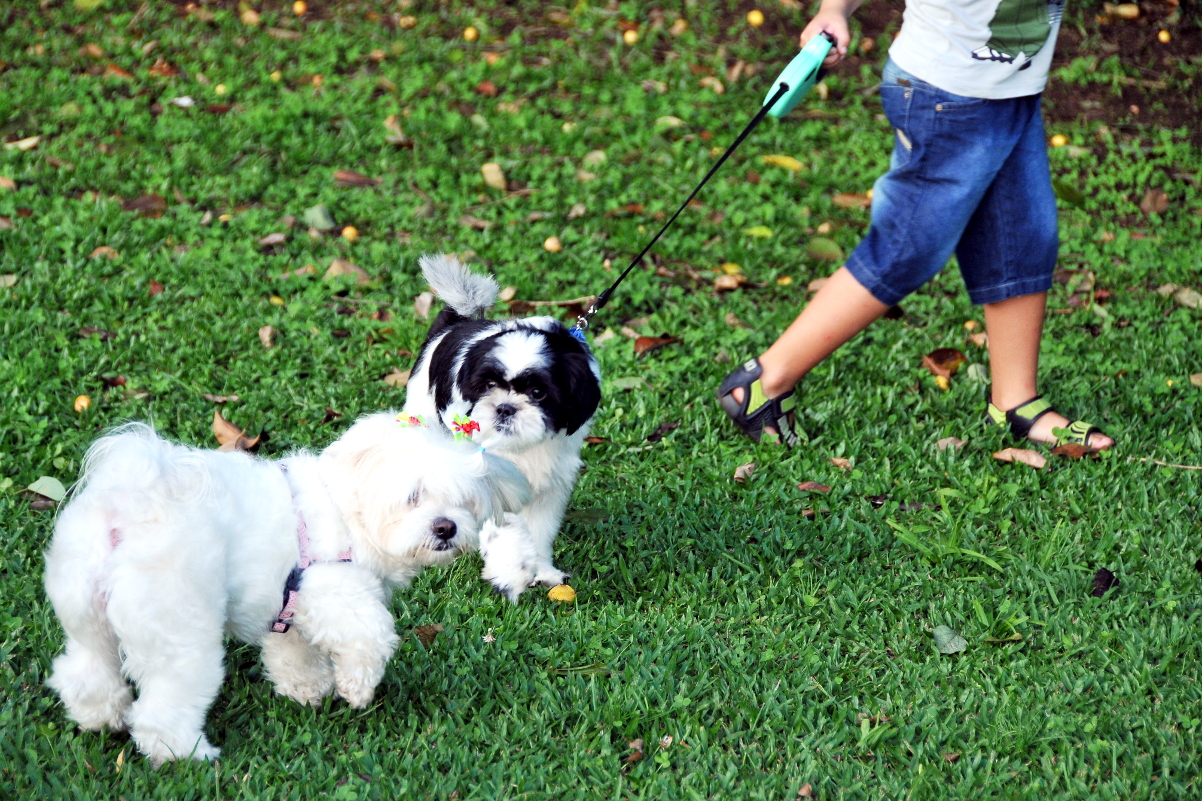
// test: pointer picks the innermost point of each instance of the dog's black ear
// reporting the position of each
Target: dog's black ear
(583, 392)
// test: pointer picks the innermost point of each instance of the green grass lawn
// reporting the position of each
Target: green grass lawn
(777, 637)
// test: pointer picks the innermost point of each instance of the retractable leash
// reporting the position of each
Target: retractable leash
(795, 80)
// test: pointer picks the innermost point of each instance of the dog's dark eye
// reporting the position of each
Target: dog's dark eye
(490, 384)
(536, 393)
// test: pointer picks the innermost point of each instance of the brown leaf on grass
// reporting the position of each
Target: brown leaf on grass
(113, 71)
(805, 791)
(851, 200)
(330, 416)
(980, 339)
(841, 463)
(339, 267)
(1196, 379)
(950, 442)
(744, 471)
(426, 634)
(5, 223)
(726, 283)
(163, 68)
(636, 751)
(397, 378)
(271, 240)
(596, 440)
(7, 183)
(352, 178)
(91, 330)
(283, 34)
(396, 136)
(487, 88)
(1155, 202)
(813, 486)
(153, 287)
(153, 206)
(422, 304)
(37, 501)
(113, 381)
(475, 222)
(664, 428)
(732, 320)
(218, 108)
(220, 398)
(265, 335)
(644, 345)
(943, 361)
(625, 211)
(1033, 458)
(103, 250)
(229, 436)
(1073, 450)
(1189, 298)
(950, 757)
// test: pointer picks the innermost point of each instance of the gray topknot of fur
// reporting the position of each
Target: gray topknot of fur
(469, 294)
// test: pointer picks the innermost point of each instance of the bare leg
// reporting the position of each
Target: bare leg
(841, 309)
(1015, 327)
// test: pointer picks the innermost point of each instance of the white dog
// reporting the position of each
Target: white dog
(532, 387)
(164, 549)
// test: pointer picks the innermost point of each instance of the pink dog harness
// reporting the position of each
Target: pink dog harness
(283, 620)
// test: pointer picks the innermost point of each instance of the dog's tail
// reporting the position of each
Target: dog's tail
(466, 293)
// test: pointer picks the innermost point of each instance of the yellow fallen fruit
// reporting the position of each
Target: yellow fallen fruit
(562, 593)
(970, 325)
(300, 8)
(250, 17)
(552, 245)
(470, 34)
(277, 76)
(493, 175)
(220, 89)
(730, 268)
(276, 300)
(350, 233)
(784, 280)
(755, 18)
(1164, 37)
(630, 37)
(83, 403)
(942, 382)
(1059, 140)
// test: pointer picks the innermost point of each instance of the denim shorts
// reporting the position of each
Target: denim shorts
(969, 176)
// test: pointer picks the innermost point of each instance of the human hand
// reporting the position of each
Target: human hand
(834, 22)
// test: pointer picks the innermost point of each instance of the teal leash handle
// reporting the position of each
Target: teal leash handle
(803, 72)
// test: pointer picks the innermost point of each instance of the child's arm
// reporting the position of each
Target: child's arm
(832, 18)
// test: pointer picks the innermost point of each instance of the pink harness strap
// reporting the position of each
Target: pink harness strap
(283, 620)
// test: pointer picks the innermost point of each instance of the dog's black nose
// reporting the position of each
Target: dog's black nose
(506, 411)
(443, 528)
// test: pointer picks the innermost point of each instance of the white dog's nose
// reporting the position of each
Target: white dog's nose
(443, 528)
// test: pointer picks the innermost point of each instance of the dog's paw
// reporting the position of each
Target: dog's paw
(307, 693)
(550, 576)
(510, 583)
(356, 676)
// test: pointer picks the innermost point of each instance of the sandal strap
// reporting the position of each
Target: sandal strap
(1078, 432)
(1022, 417)
(757, 409)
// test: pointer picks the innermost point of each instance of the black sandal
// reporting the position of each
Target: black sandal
(1021, 418)
(757, 409)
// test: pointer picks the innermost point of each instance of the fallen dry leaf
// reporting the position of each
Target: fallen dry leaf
(28, 143)
(726, 283)
(426, 634)
(644, 345)
(283, 33)
(113, 381)
(507, 294)
(299, 272)
(596, 440)
(229, 436)
(396, 136)
(152, 206)
(153, 287)
(1073, 450)
(805, 791)
(710, 82)
(1196, 379)
(1103, 580)
(1155, 202)
(943, 361)
(487, 88)
(744, 471)
(1189, 298)
(113, 71)
(494, 176)
(103, 250)
(265, 335)
(163, 69)
(950, 442)
(578, 210)
(664, 428)
(218, 398)
(1033, 458)
(841, 463)
(271, 240)
(980, 339)
(636, 751)
(422, 304)
(950, 757)
(340, 267)
(352, 178)
(732, 320)
(7, 183)
(475, 222)
(397, 378)
(813, 486)
(851, 200)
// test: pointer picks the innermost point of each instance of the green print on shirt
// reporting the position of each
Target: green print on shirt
(1020, 26)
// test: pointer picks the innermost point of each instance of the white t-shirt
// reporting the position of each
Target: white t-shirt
(979, 48)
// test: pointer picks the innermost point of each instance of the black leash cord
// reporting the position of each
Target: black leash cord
(598, 304)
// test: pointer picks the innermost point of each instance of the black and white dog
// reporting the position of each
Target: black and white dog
(532, 388)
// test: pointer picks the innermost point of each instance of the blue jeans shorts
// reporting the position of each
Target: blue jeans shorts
(967, 175)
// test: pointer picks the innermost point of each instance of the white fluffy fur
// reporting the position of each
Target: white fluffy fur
(518, 553)
(468, 293)
(165, 549)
